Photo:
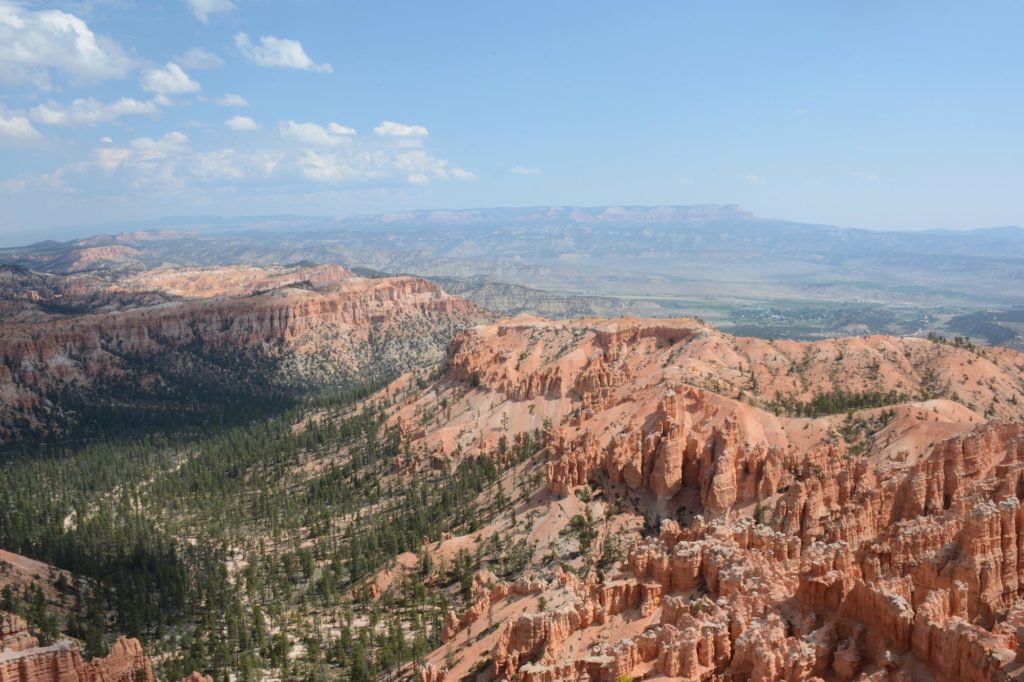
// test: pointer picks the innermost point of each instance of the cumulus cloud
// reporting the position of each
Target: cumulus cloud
(170, 80)
(314, 135)
(242, 123)
(202, 9)
(415, 167)
(168, 165)
(230, 99)
(306, 155)
(524, 170)
(32, 43)
(278, 52)
(336, 129)
(419, 167)
(90, 111)
(390, 128)
(198, 58)
(16, 127)
(328, 167)
(753, 179)
(171, 141)
(151, 160)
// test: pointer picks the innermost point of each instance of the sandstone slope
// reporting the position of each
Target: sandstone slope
(883, 540)
(174, 337)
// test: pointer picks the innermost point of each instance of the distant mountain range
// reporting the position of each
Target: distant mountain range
(720, 262)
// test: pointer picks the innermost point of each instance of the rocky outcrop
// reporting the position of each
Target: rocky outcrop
(431, 673)
(327, 326)
(197, 677)
(536, 637)
(782, 610)
(687, 444)
(487, 590)
(14, 635)
(883, 544)
(789, 615)
(22, 659)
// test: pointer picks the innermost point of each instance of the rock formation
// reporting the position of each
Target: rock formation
(788, 542)
(22, 659)
(227, 326)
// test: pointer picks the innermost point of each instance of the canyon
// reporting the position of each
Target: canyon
(661, 500)
(70, 343)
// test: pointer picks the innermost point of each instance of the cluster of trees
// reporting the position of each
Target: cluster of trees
(60, 509)
(32, 606)
(856, 429)
(834, 402)
(957, 341)
(226, 550)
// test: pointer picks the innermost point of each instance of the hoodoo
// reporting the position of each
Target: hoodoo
(819, 510)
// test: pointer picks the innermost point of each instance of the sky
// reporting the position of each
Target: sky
(883, 115)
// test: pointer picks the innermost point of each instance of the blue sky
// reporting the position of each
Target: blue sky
(869, 114)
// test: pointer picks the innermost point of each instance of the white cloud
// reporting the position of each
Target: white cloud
(16, 127)
(267, 162)
(336, 129)
(400, 130)
(150, 160)
(867, 177)
(327, 167)
(13, 186)
(148, 148)
(34, 42)
(242, 123)
(54, 181)
(307, 155)
(170, 80)
(415, 167)
(420, 167)
(278, 52)
(462, 174)
(169, 165)
(314, 135)
(524, 170)
(106, 139)
(203, 8)
(753, 179)
(220, 164)
(110, 159)
(230, 99)
(90, 111)
(198, 58)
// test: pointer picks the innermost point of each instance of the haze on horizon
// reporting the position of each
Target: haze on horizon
(872, 115)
